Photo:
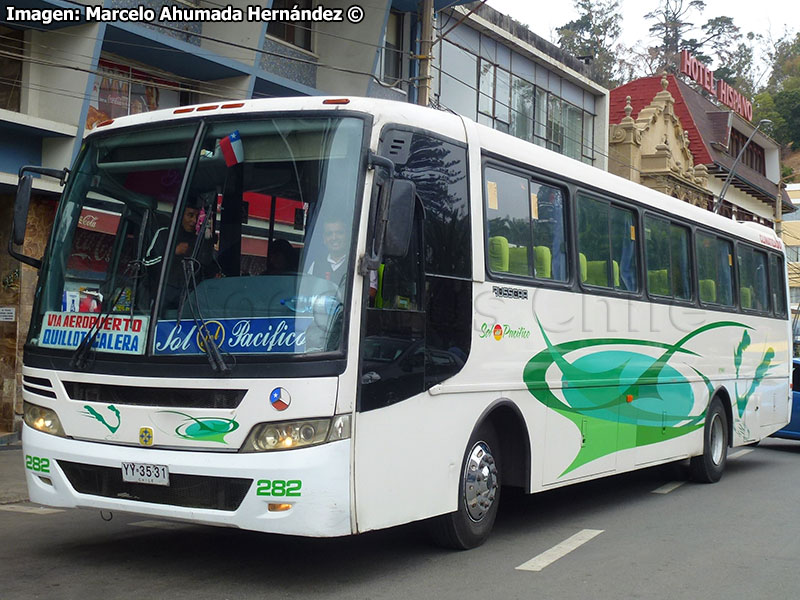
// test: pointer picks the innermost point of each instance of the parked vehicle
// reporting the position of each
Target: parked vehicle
(792, 429)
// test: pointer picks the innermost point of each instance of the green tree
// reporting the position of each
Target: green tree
(739, 70)
(593, 36)
(784, 57)
(716, 40)
(787, 104)
(779, 101)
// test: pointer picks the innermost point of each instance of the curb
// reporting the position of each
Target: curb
(6, 439)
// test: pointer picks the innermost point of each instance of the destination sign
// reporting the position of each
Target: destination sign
(121, 334)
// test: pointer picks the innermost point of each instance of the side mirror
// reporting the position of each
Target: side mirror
(21, 205)
(400, 218)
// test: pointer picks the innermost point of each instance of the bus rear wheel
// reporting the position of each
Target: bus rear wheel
(708, 467)
(478, 495)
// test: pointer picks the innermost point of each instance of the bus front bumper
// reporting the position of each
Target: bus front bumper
(299, 492)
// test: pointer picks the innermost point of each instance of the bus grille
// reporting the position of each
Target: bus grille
(151, 396)
(191, 491)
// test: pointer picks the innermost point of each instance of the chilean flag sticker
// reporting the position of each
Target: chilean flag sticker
(232, 149)
(280, 399)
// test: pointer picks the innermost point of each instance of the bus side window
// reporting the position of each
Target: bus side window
(607, 245)
(549, 235)
(715, 269)
(593, 243)
(623, 249)
(508, 221)
(753, 279)
(777, 285)
(667, 259)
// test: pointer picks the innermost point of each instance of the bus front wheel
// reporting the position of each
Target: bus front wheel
(708, 467)
(478, 495)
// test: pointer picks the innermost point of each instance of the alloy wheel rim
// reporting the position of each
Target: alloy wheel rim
(716, 440)
(480, 481)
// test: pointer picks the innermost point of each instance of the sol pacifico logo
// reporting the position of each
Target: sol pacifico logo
(216, 331)
(500, 331)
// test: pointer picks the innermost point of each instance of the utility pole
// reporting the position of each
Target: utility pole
(425, 46)
(729, 178)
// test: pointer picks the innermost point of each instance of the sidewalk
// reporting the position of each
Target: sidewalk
(12, 474)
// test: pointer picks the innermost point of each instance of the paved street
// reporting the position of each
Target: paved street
(650, 535)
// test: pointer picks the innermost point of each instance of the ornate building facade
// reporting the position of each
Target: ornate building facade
(667, 136)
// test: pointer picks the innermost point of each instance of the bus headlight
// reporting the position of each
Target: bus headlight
(42, 419)
(287, 435)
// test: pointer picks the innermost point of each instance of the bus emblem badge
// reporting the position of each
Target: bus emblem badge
(146, 436)
(280, 399)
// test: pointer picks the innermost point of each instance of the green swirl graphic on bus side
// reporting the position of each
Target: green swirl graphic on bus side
(203, 429)
(629, 399)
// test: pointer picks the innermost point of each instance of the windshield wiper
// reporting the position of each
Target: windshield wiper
(208, 345)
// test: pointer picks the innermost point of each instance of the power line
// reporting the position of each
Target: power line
(88, 65)
(263, 51)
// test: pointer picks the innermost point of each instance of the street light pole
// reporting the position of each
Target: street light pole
(425, 49)
(729, 178)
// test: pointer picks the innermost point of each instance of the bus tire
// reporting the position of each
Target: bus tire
(708, 467)
(478, 495)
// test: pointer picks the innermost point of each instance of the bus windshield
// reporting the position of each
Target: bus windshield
(248, 240)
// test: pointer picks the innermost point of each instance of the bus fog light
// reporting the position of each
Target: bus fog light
(271, 507)
(42, 419)
(285, 436)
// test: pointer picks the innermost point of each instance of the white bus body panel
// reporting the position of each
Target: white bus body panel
(322, 509)
(408, 456)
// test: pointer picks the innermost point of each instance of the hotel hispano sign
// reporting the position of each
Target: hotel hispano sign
(726, 94)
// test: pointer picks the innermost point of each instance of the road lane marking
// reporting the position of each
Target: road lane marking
(160, 524)
(668, 487)
(537, 563)
(740, 453)
(31, 510)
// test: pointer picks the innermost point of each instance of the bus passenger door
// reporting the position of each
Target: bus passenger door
(393, 347)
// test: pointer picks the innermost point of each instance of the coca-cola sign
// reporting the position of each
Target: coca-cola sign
(98, 220)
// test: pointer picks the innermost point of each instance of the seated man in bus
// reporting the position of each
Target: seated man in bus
(337, 241)
(333, 267)
(185, 242)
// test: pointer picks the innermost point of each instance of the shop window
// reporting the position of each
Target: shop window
(10, 68)
(753, 156)
(296, 33)
(120, 90)
(393, 49)
(522, 94)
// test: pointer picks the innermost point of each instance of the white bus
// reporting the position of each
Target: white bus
(325, 316)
